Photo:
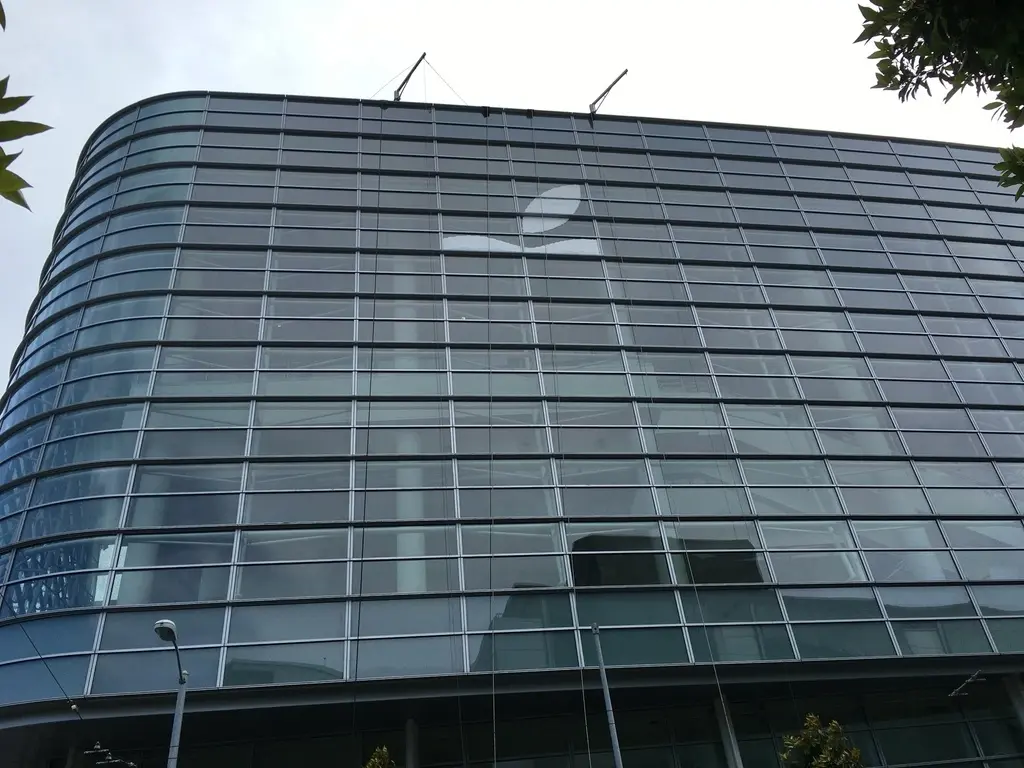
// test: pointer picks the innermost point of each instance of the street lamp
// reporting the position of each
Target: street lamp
(167, 632)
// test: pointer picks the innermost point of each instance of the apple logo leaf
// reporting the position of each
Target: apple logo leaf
(551, 209)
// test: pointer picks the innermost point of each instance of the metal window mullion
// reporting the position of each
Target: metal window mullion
(966, 406)
(677, 594)
(787, 621)
(981, 618)
(570, 581)
(351, 629)
(459, 555)
(446, 347)
(352, 622)
(280, 146)
(118, 543)
(348, 661)
(745, 485)
(236, 546)
(538, 358)
(982, 760)
(961, 573)
(38, 463)
(233, 568)
(90, 671)
(18, 533)
(676, 586)
(222, 651)
(195, 169)
(889, 624)
(5, 572)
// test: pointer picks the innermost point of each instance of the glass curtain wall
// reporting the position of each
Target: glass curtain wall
(355, 391)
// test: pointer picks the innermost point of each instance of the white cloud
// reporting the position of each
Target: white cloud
(788, 63)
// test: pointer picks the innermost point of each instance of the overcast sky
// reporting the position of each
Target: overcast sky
(785, 63)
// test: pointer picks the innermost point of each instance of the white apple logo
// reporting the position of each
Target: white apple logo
(548, 211)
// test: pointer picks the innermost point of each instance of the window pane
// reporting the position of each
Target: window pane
(523, 611)
(291, 580)
(817, 567)
(407, 657)
(148, 671)
(912, 566)
(837, 641)
(409, 617)
(917, 534)
(622, 647)
(828, 604)
(522, 651)
(132, 630)
(740, 643)
(291, 663)
(709, 605)
(925, 602)
(807, 535)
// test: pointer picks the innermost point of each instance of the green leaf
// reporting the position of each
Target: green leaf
(3, 86)
(11, 182)
(993, 105)
(17, 198)
(864, 36)
(6, 160)
(12, 103)
(380, 759)
(11, 130)
(11, 185)
(869, 14)
(819, 746)
(3, 17)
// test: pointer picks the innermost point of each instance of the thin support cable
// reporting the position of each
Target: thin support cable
(389, 82)
(490, 461)
(631, 304)
(106, 755)
(553, 401)
(39, 655)
(586, 721)
(360, 254)
(556, 430)
(445, 344)
(703, 626)
(693, 584)
(490, 537)
(446, 82)
(456, 652)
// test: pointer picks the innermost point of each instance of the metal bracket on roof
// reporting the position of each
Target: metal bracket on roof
(405, 82)
(596, 103)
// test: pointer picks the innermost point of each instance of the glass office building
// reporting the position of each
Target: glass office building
(386, 404)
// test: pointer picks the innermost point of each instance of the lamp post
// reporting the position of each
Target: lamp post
(167, 632)
(616, 754)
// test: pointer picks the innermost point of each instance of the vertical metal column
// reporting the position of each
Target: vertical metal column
(616, 754)
(1015, 690)
(412, 744)
(179, 714)
(728, 735)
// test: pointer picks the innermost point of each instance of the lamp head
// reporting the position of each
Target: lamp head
(166, 630)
